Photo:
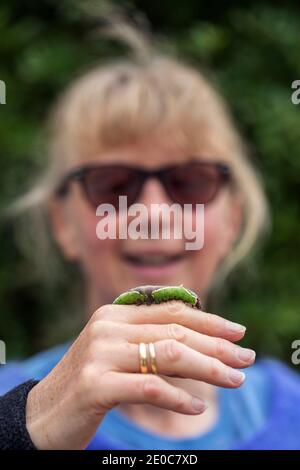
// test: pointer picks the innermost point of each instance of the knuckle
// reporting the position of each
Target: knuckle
(106, 329)
(205, 321)
(215, 369)
(217, 321)
(180, 402)
(128, 349)
(175, 309)
(98, 347)
(173, 351)
(212, 322)
(151, 387)
(93, 330)
(104, 312)
(177, 332)
(220, 347)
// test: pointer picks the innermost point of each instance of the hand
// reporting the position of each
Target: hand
(101, 369)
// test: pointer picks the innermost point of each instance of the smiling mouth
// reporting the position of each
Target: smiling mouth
(153, 260)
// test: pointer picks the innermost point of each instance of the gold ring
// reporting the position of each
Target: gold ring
(152, 358)
(143, 358)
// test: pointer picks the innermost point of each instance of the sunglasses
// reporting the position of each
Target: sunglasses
(195, 182)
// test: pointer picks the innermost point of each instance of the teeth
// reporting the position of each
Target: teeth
(152, 259)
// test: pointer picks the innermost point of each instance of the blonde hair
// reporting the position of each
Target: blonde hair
(131, 98)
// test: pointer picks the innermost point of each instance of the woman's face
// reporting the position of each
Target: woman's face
(114, 265)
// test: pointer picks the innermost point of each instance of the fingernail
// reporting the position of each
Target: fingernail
(236, 376)
(235, 327)
(198, 404)
(246, 355)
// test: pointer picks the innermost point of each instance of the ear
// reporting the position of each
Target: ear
(62, 228)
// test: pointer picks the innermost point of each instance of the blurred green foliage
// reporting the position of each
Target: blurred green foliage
(252, 52)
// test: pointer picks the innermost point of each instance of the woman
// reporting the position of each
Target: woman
(154, 115)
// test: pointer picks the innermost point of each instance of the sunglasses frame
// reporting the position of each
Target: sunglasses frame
(79, 173)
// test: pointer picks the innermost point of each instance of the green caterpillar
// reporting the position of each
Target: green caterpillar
(148, 295)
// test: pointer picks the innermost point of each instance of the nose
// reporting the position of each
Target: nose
(152, 196)
(153, 192)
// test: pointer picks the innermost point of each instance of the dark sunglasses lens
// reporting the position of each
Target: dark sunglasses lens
(105, 185)
(195, 183)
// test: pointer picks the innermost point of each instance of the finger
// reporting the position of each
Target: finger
(222, 349)
(173, 312)
(175, 359)
(150, 389)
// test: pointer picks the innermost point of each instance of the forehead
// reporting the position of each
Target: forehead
(154, 151)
